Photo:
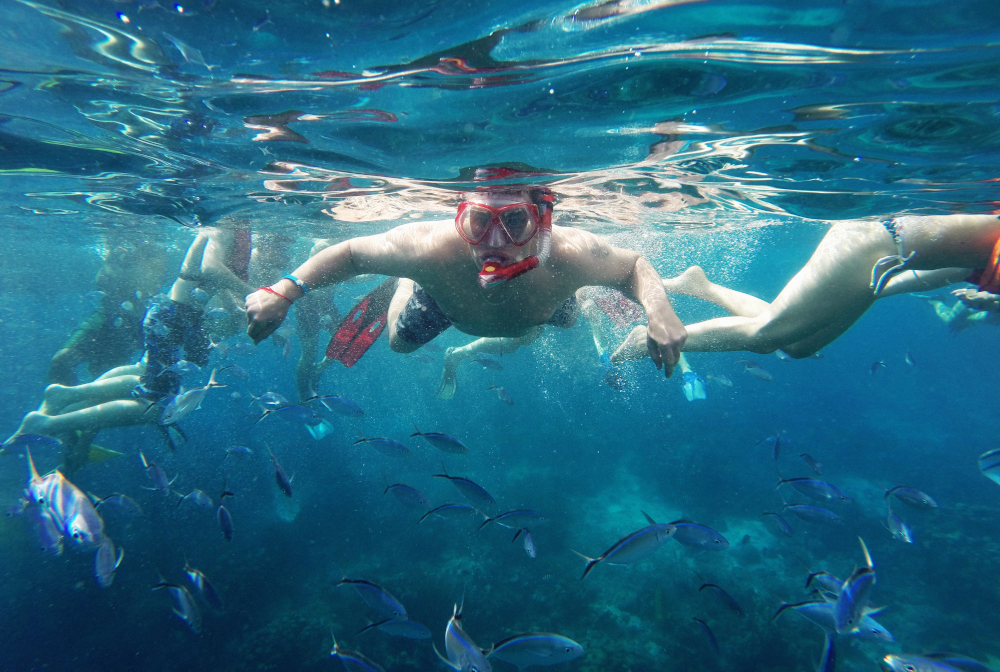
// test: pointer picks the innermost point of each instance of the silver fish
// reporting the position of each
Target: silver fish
(536, 648)
(443, 442)
(826, 582)
(471, 490)
(464, 655)
(187, 402)
(733, 605)
(185, 607)
(876, 367)
(695, 534)
(182, 368)
(407, 496)
(352, 660)
(852, 604)
(759, 374)
(378, 599)
(712, 642)
(384, 446)
(450, 511)
(813, 514)
(821, 613)
(897, 526)
(529, 543)
(828, 661)
(815, 489)
(158, 477)
(632, 547)
(909, 662)
(338, 404)
(107, 562)
(69, 508)
(123, 502)
(204, 587)
(269, 401)
(517, 519)
(50, 537)
(198, 497)
(817, 467)
(294, 413)
(235, 371)
(989, 465)
(487, 362)
(912, 497)
(779, 523)
(503, 394)
(393, 628)
(190, 54)
(284, 483)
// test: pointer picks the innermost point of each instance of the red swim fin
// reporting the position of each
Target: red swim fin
(363, 325)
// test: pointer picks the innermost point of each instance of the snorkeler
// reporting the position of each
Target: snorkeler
(217, 264)
(972, 307)
(502, 270)
(856, 263)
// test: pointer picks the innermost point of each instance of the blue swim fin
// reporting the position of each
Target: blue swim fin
(694, 386)
(320, 429)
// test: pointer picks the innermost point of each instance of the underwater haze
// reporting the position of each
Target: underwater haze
(720, 134)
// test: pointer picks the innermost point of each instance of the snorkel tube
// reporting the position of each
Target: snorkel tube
(493, 274)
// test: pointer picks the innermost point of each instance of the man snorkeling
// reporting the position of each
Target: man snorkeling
(501, 270)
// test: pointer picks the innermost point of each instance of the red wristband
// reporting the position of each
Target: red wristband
(271, 291)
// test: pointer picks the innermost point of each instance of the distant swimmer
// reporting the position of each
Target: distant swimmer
(500, 270)
(856, 263)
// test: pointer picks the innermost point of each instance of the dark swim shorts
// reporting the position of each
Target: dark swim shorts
(422, 318)
(172, 331)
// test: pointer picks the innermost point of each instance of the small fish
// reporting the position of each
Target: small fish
(779, 523)
(200, 295)
(217, 314)
(126, 306)
(185, 607)
(828, 660)
(759, 374)
(107, 562)
(236, 371)
(775, 443)
(909, 662)
(503, 394)
(908, 358)
(237, 450)
(122, 502)
(199, 498)
(408, 629)
(536, 648)
(820, 612)
(783, 356)
(733, 605)
(897, 526)
(221, 347)
(912, 497)
(294, 413)
(50, 537)
(712, 643)
(409, 497)
(813, 514)
(158, 477)
(269, 401)
(190, 54)
(464, 655)
(70, 510)
(814, 489)
(450, 511)
(34, 442)
(826, 581)
(725, 381)
(876, 366)
(284, 483)
(852, 604)
(632, 547)
(387, 447)
(487, 362)
(337, 404)
(258, 24)
(697, 535)
(817, 467)
(204, 587)
(377, 598)
(517, 519)
(469, 489)
(225, 522)
(989, 465)
(748, 363)
(182, 367)
(235, 396)
(443, 442)
(352, 660)
(187, 402)
(529, 542)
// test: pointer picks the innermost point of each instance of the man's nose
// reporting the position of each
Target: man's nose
(496, 237)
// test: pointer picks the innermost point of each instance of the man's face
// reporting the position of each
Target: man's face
(497, 247)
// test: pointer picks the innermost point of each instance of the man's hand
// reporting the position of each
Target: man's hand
(265, 313)
(665, 337)
(978, 300)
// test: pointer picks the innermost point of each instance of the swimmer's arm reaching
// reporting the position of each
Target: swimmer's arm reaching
(630, 273)
(394, 253)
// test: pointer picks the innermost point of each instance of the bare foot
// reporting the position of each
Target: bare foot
(449, 376)
(692, 282)
(56, 398)
(33, 423)
(633, 349)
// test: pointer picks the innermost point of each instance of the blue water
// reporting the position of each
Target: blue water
(711, 133)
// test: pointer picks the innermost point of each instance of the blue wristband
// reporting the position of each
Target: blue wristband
(301, 285)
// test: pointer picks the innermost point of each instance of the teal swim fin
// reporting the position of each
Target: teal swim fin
(694, 386)
(320, 429)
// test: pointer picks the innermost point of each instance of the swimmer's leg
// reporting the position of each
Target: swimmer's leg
(118, 413)
(58, 397)
(693, 282)
(493, 346)
(923, 281)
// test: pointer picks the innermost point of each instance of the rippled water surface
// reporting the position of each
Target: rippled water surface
(715, 133)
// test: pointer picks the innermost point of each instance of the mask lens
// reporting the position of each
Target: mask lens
(475, 221)
(519, 223)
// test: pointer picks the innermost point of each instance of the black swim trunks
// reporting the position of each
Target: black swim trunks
(173, 331)
(422, 318)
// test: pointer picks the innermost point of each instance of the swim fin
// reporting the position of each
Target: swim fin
(694, 386)
(363, 325)
(320, 429)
